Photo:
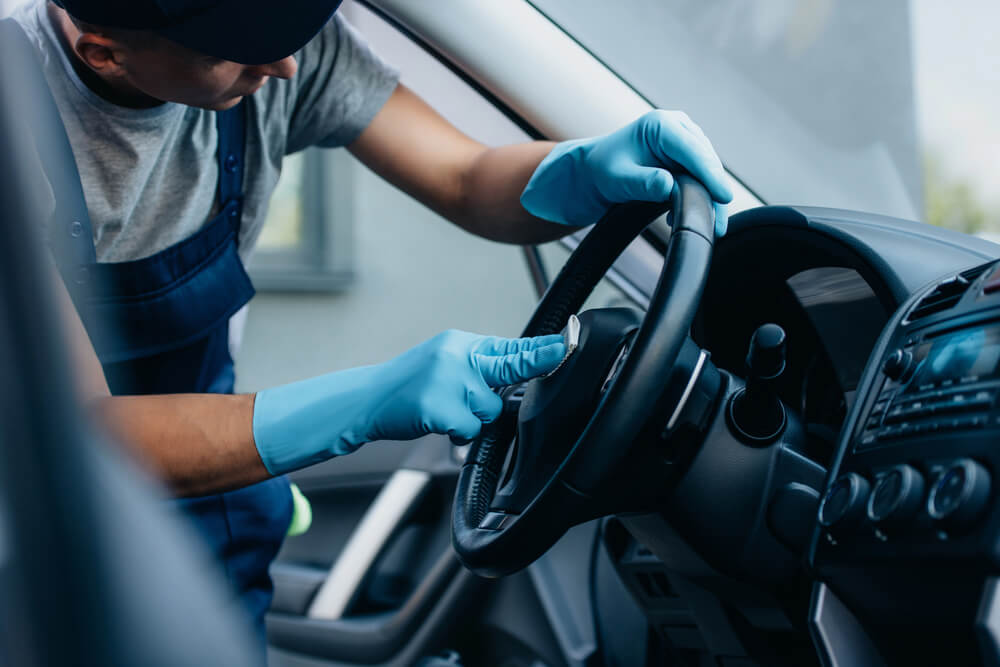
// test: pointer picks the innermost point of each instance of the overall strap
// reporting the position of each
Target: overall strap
(231, 125)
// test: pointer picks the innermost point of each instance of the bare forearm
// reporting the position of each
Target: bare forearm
(474, 186)
(492, 188)
(196, 443)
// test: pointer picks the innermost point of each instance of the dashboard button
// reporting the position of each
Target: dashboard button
(896, 414)
(965, 401)
(887, 433)
(959, 495)
(978, 421)
(867, 440)
(983, 400)
(897, 431)
(910, 410)
(896, 496)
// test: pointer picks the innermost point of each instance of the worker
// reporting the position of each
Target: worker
(179, 114)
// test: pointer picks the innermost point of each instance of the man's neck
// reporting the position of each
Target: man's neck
(113, 90)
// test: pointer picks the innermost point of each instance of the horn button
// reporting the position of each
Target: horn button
(554, 410)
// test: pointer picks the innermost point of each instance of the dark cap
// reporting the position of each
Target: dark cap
(252, 32)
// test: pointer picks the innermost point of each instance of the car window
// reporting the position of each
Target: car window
(886, 107)
(405, 274)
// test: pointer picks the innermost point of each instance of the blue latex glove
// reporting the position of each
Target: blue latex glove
(579, 180)
(441, 386)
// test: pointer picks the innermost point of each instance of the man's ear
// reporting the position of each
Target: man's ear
(103, 54)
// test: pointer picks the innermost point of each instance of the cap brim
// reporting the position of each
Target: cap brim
(233, 31)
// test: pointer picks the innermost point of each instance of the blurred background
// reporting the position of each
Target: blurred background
(887, 107)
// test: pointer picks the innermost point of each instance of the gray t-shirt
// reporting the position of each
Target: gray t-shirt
(150, 176)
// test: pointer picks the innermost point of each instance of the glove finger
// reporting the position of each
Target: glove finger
(465, 427)
(497, 346)
(695, 129)
(513, 368)
(721, 219)
(683, 120)
(483, 403)
(672, 141)
(634, 182)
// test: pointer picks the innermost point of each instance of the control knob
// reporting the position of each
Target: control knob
(843, 506)
(897, 495)
(960, 495)
(898, 365)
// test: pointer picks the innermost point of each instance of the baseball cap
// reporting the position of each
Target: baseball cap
(251, 32)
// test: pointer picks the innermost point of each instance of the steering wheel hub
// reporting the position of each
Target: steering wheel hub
(555, 409)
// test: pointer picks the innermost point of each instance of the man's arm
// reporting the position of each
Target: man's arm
(477, 187)
(204, 443)
(196, 443)
(497, 193)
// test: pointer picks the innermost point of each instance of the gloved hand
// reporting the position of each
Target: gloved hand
(441, 386)
(579, 180)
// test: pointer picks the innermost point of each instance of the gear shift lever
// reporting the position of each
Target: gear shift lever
(755, 412)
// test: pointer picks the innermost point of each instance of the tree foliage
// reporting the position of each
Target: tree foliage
(955, 204)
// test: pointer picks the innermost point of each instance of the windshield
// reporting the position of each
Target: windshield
(887, 107)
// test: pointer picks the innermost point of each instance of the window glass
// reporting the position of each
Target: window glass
(886, 107)
(285, 216)
(629, 283)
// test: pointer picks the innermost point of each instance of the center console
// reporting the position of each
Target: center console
(908, 535)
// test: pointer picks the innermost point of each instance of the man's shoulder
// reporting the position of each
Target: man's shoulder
(340, 85)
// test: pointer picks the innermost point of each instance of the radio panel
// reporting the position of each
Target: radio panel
(936, 384)
(916, 481)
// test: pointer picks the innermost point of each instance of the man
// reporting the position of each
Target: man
(179, 113)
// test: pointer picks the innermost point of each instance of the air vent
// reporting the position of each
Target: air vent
(947, 294)
(975, 272)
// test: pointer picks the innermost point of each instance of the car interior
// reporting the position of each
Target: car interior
(770, 448)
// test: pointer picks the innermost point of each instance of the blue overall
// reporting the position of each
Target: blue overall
(160, 325)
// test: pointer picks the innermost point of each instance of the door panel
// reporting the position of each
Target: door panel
(340, 490)
(361, 584)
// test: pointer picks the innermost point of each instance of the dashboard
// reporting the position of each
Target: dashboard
(876, 514)
(912, 504)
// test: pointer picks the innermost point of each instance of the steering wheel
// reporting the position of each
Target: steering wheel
(572, 446)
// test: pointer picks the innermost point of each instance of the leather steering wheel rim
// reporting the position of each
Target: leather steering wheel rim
(513, 541)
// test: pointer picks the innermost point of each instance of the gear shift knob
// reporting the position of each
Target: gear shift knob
(766, 357)
(756, 412)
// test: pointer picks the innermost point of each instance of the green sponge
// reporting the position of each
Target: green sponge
(302, 514)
